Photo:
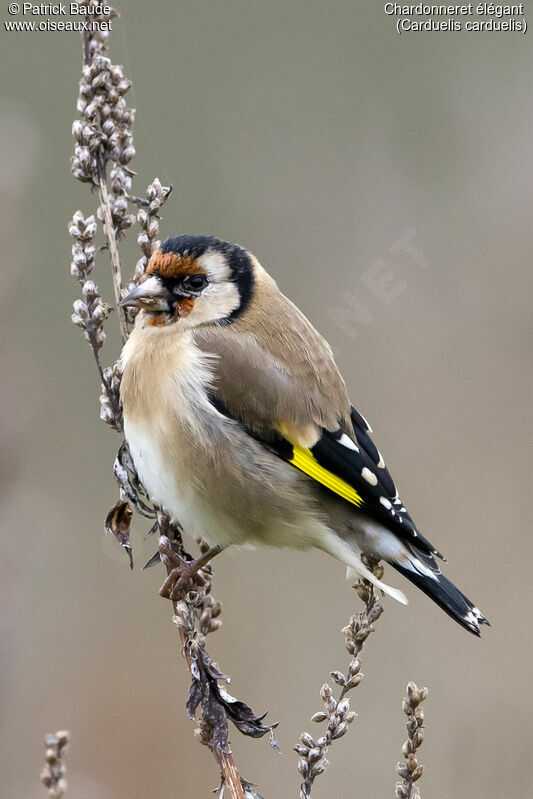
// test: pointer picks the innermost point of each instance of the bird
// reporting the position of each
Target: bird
(240, 425)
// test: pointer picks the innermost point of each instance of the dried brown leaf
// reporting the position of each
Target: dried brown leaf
(118, 522)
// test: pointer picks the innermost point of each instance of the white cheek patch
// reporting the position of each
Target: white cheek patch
(221, 296)
(217, 301)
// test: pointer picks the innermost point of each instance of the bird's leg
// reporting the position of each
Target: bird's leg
(192, 566)
(183, 573)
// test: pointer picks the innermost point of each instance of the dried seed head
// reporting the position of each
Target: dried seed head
(411, 762)
(303, 767)
(402, 771)
(401, 791)
(362, 590)
(326, 692)
(354, 667)
(338, 677)
(341, 730)
(413, 695)
(343, 707)
(411, 771)
(354, 681)
(320, 767)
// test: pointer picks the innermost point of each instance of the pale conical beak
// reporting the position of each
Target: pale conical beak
(151, 295)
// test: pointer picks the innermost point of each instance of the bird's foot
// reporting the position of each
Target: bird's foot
(184, 575)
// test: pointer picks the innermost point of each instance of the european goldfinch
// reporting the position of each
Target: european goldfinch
(240, 426)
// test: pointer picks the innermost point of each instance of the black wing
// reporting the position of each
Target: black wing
(355, 472)
(361, 465)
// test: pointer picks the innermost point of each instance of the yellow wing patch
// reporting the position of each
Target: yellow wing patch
(304, 460)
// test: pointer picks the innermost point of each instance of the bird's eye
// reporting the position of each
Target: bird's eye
(195, 282)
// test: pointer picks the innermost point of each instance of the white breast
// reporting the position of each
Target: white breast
(165, 479)
(164, 394)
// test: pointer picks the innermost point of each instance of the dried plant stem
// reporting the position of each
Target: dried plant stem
(337, 712)
(411, 771)
(195, 615)
(113, 251)
(232, 777)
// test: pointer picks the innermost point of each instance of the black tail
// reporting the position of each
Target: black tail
(444, 593)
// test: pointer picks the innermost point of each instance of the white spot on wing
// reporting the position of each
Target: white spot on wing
(385, 502)
(381, 462)
(346, 441)
(369, 476)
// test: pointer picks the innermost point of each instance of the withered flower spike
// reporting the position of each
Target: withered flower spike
(148, 219)
(53, 773)
(103, 137)
(91, 312)
(411, 771)
(336, 712)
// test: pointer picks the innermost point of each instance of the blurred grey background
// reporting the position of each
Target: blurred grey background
(386, 181)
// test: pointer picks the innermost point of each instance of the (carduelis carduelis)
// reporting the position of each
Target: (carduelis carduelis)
(240, 425)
